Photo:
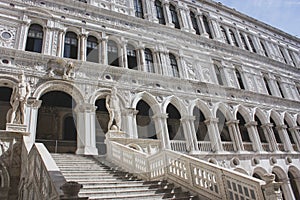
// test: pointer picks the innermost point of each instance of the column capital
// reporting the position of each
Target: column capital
(104, 38)
(270, 125)
(295, 128)
(252, 123)
(34, 103)
(188, 118)
(130, 111)
(232, 122)
(161, 116)
(85, 107)
(211, 120)
(281, 126)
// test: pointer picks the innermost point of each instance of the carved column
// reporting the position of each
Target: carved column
(181, 67)
(86, 134)
(202, 27)
(123, 55)
(285, 137)
(32, 108)
(295, 134)
(183, 17)
(83, 41)
(253, 134)
(104, 50)
(161, 126)
(141, 59)
(153, 11)
(60, 42)
(157, 62)
(131, 10)
(269, 134)
(131, 126)
(23, 32)
(216, 30)
(214, 135)
(228, 35)
(189, 132)
(47, 40)
(235, 135)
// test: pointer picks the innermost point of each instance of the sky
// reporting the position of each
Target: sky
(282, 14)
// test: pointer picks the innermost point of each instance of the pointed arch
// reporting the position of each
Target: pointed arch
(201, 105)
(289, 119)
(177, 103)
(276, 117)
(261, 115)
(102, 93)
(260, 171)
(224, 109)
(149, 99)
(244, 112)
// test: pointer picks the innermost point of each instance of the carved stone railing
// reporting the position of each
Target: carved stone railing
(228, 146)
(295, 147)
(44, 177)
(265, 146)
(248, 146)
(281, 147)
(199, 177)
(178, 145)
(204, 146)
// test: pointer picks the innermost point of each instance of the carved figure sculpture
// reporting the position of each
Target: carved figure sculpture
(113, 107)
(18, 101)
(61, 68)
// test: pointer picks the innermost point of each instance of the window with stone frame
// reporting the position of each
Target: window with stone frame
(92, 49)
(233, 38)
(278, 83)
(35, 36)
(71, 45)
(239, 79)
(138, 7)
(251, 44)
(194, 22)
(266, 81)
(245, 46)
(112, 53)
(219, 74)
(224, 35)
(160, 12)
(131, 57)
(264, 49)
(174, 16)
(206, 26)
(281, 50)
(293, 59)
(174, 66)
(149, 61)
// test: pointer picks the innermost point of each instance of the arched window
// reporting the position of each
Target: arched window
(294, 185)
(34, 41)
(138, 7)
(71, 45)
(282, 55)
(251, 44)
(206, 26)
(218, 74)
(224, 34)
(290, 133)
(174, 16)
(239, 78)
(243, 129)
(92, 52)
(267, 86)
(112, 53)
(174, 123)
(276, 133)
(144, 121)
(160, 12)
(149, 61)
(223, 128)
(194, 23)
(244, 42)
(233, 38)
(200, 126)
(264, 49)
(131, 57)
(260, 130)
(174, 66)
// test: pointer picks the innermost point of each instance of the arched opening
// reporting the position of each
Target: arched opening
(245, 46)
(256, 175)
(251, 44)
(206, 26)
(277, 135)
(131, 57)
(35, 36)
(71, 45)
(294, 185)
(224, 132)
(102, 119)
(144, 121)
(290, 134)
(224, 34)
(56, 125)
(194, 22)
(233, 38)
(261, 133)
(200, 126)
(277, 179)
(149, 61)
(5, 94)
(244, 133)
(112, 53)
(240, 79)
(264, 49)
(174, 16)
(174, 123)
(92, 49)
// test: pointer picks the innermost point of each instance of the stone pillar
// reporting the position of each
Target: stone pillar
(295, 134)
(131, 126)
(182, 68)
(287, 189)
(189, 132)
(189, 21)
(47, 41)
(238, 38)
(254, 136)
(60, 43)
(235, 135)
(271, 188)
(161, 126)
(285, 137)
(123, 55)
(269, 134)
(157, 62)
(32, 108)
(183, 17)
(141, 60)
(216, 30)
(83, 41)
(214, 135)
(228, 35)
(104, 50)
(131, 10)
(153, 11)
(86, 134)
(202, 27)
(23, 33)
(168, 17)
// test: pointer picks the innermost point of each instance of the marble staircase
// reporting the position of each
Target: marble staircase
(102, 180)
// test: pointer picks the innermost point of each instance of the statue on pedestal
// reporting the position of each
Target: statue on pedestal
(113, 107)
(18, 101)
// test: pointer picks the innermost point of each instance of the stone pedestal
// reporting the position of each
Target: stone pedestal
(19, 128)
(115, 134)
(271, 189)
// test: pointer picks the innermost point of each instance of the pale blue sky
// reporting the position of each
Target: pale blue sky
(282, 14)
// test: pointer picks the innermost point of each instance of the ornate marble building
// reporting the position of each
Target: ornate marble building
(194, 77)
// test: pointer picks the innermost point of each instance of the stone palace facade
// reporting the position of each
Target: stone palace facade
(194, 77)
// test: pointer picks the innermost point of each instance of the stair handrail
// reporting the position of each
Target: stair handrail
(202, 178)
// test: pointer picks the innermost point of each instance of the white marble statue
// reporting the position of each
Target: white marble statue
(113, 107)
(18, 101)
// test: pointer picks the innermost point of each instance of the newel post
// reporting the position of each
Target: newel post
(271, 189)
